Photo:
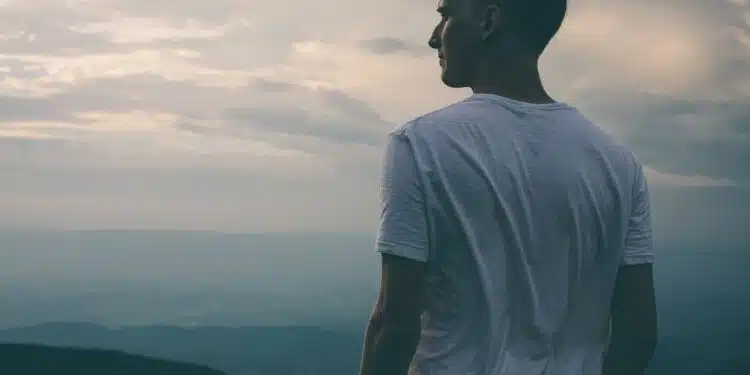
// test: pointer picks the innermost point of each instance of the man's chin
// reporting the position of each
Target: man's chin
(453, 82)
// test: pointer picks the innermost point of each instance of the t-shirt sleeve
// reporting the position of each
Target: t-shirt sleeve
(639, 240)
(403, 227)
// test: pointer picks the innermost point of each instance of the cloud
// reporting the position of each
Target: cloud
(661, 179)
(709, 138)
(690, 49)
(18, 108)
(301, 122)
(47, 30)
(390, 45)
(297, 116)
(271, 116)
(139, 30)
(24, 152)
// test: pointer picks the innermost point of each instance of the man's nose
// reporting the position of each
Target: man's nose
(434, 41)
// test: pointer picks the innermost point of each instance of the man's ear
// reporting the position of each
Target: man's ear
(490, 21)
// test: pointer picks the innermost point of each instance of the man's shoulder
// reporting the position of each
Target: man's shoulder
(434, 120)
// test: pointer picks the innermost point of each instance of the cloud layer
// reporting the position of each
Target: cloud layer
(252, 116)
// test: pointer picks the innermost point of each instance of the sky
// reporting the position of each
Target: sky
(255, 116)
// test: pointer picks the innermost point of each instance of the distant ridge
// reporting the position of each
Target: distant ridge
(256, 350)
(33, 359)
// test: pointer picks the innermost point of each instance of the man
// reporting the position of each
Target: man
(515, 235)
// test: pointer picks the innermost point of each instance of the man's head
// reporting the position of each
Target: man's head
(471, 32)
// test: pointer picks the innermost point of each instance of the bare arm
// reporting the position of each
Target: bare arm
(634, 322)
(393, 331)
(633, 311)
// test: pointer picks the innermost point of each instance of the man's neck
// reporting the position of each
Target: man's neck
(518, 81)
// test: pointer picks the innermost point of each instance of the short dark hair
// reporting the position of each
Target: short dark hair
(534, 22)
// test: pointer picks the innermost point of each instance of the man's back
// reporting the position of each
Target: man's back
(529, 208)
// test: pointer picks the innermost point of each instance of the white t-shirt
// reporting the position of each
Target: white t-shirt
(524, 213)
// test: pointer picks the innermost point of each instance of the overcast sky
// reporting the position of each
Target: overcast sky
(245, 115)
